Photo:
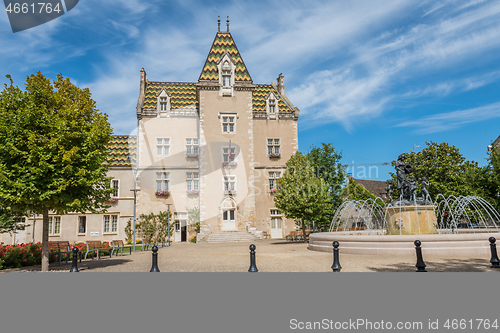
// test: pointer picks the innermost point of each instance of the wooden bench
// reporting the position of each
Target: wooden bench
(146, 243)
(59, 248)
(96, 247)
(118, 245)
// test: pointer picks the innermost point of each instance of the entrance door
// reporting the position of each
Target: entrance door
(228, 221)
(276, 227)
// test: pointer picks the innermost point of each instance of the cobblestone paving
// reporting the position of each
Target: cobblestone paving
(271, 256)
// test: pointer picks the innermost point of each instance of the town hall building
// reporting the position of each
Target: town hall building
(216, 146)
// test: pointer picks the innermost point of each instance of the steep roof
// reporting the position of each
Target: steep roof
(259, 98)
(223, 43)
(496, 143)
(122, 150)
(183, 95)
(375, 187)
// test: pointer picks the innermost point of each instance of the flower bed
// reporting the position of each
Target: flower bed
(275, 155)
(15, 256)
(273, 190)
(193, 192)
(112, 200)
(192, 155)
(230, 191)
(163, 193)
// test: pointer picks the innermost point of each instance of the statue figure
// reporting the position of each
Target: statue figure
(389, 190)
(402, 170)
(423, 187)
(413, 188)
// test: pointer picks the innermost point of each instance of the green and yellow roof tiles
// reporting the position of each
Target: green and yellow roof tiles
(183, 95)
(223, 43)
(260, 95)
(122, 151)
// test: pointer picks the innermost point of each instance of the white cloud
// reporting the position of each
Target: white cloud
(451, 120)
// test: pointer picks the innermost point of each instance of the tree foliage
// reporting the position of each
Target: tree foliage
(326, 163)
(52, 150)
(10, 221)
(447, 171)
(301, 195)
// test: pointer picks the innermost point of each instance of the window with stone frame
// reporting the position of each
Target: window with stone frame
(163, 104)
(192, 146)
(228, 124)
(110, 223)
(273, 178)
(162, 181)
(115, 186)
(54, 225)
(226, 75)
(192, 181)
(272, 105)
(273, 147)
(82, 224)
(228, 154)
(229, 184)
(162, 146)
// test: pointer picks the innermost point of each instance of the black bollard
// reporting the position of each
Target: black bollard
(495, 262)
(336, 264)
(420, 262)
(74, 265)
(154, 267)
(253, 267)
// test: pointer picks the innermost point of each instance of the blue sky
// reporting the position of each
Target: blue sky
(375, 78)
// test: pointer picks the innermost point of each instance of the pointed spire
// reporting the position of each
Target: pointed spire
(227, 22)
(218, 23)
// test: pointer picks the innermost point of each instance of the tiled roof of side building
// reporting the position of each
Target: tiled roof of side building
(183, 94)
(259, 98)
(122, 150)
(223, 43)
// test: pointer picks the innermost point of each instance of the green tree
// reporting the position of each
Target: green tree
(301, 195)
(447, 171)
(52, 150)
(486, 180)
(10, 221)
(326, 163)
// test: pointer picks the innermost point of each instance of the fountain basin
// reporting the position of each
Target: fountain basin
(411, 220)
(461, 244)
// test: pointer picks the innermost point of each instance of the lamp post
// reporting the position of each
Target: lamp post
(135, 211)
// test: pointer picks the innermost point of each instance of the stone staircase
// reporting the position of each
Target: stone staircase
(226, 236)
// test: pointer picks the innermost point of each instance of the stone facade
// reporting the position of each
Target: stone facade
(217, 145)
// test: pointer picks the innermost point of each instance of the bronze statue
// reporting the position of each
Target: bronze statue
(402, 171)
(389, 190)
(423, 187)
(413, 188)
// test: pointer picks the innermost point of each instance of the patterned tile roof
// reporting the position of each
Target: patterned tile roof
(223, 43)
(183, 95)
(259, 98)
(122, 150)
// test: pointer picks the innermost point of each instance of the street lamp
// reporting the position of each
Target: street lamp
(135, 211)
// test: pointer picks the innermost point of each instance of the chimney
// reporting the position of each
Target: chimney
(281, 84)
(143, 82)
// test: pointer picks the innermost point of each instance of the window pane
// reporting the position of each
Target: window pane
(166, 175)
(231, 128)
(277, 141)
(278, 174)
(158, 175)
(159, 141)
(225, 150)
(167, 150)
(158, 185)
(106, 223)
(224, 119)
(188, 141)
(114, 226)
(271, 184)
(166, 185)
(196, 185)
(195, 149)
(188, 149)
(270, 150)
(231, 214)
(195, 141)
(159, 150)
(232, 186)
(278, 220)
(189, 175)
(224, 128)
(167, 141)
(188, 185)
(271, 174)
(50, 226)
(277, 149)
(225, 215)
(57, 226)
(270, 141)
(195, 175)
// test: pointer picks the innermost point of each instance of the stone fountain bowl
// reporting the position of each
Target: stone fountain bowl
(377, 243)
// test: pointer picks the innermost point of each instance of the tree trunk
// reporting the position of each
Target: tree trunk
(45, 240)
(303, 230)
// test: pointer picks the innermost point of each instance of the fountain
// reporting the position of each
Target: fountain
(446, 226)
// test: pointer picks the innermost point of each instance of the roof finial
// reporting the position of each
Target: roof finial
(218, 23)
(227, 22)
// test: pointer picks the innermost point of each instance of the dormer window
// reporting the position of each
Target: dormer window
(226, 68)
(272, 106)
(226, 75)
(163, 103)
